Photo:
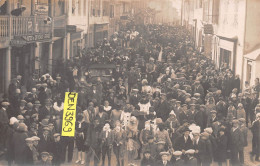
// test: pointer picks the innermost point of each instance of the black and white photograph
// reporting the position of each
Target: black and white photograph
(129, 82)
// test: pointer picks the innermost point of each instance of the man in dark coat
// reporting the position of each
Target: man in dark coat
(221, 151)
(201, 117)
(45, 140)
(236, 142)
(93, 143)
(184, 142)
(56, 149)
(3, 123)
(164, 108)
(147, 159)
(164, 161)
(46, 110)
(184, 114)
(199, 147)
(28, 159)
(256, 137)
(19, 143)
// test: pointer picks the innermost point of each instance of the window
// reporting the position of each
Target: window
(85, 7)
(215, 12)
(73, 7)
(225, 58)
(249, 71)
(112, 11)
(79, 7)
(93, 12)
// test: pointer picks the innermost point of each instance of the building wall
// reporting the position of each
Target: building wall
(231, 25)
(252, 32)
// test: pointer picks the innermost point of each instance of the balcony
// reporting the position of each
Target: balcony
(22, 26)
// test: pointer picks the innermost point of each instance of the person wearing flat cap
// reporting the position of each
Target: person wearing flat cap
(44, 159)
(45, 140)
(236, 142)
(178, 160)
(192, 161)
(164, 161)
(184, 141)
(19, 144)
(221, 151)
(28, 160)
(56, 149)
(46, 110)
(147, 159)
(255, 129)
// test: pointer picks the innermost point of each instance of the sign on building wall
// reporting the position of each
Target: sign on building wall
(41, 9)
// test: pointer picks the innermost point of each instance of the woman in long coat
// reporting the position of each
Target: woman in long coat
(221, 151)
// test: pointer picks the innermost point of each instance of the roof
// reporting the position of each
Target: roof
(254, 55)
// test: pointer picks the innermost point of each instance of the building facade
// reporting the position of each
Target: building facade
(226, 30)
(27, 38)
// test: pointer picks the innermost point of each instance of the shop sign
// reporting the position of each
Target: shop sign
(18, 42)
(101, 27)
(36, 37)
(208, 29)
(71, 28)
(41, 9)
(59, 32)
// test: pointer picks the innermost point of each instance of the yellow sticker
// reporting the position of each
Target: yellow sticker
(69, 114)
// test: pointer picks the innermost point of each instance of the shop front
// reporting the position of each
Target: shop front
(225, 55)
(100, 32)
(76, 40)
(251, 66)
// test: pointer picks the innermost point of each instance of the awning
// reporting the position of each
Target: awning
(2, 2)
(254, 55)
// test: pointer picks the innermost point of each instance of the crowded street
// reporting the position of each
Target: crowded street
(129, 83)
(149, 99)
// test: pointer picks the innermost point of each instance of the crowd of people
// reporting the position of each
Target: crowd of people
(164, 104)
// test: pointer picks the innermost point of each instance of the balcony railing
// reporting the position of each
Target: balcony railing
(4, 26)
(23, 25)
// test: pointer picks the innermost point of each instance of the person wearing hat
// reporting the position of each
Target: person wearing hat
(132, 136)
(253, 104)
(221, 108)
(19, 144)
(240, 112)
(119, 143)
(212, 118)
(29, 160)
(236, 142)
(244, 130)
(198, 88)
(255, 129)
(147, 159)
(107, 143)
(44, 159)
(172, 124)
(192, 161)
(184, 114)
(221, 151)
(134, 98)
(164, 159)
(178, 161)
(56, 149)
(36, 106)
(45, 140)
(47, 109)
(184, 141)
